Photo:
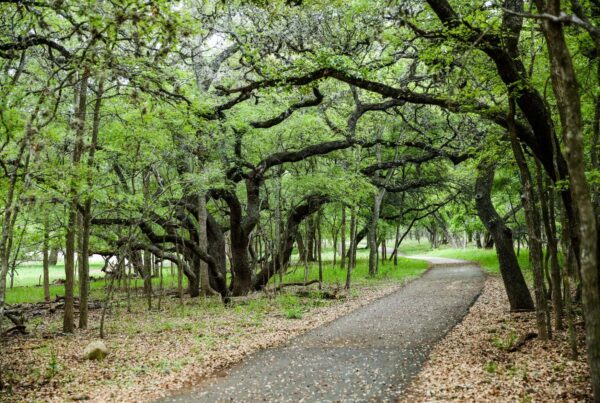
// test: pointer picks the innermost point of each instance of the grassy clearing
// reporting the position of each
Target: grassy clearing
(335, 276)
(27, 294)
(331, 276)
(412, 247)
(486, 258)
(30, 273)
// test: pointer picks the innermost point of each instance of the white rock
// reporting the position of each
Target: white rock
(96, 350)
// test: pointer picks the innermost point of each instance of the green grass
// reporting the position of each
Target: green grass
(486, 258)
(331, 276)
(335, 276)
(412, 247)
(27, 274)
(27, 294)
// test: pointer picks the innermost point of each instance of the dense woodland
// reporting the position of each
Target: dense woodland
(233, 139)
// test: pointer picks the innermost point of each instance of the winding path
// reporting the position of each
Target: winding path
(370, 354)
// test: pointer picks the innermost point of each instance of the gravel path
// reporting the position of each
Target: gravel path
(369, 355)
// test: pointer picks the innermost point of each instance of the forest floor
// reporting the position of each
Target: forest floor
(474, 363)
(370, 354)
(155, 352)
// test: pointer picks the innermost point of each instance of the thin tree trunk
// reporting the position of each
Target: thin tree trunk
(86, 216)
(319, 246)
(533, 226)
(128, 285)
(160, 284)
(335, 247)
(567, 272)
(45, 261)
(108, 300)
(306, 229)
(548, 216)
(147, 264)
(396, 244)
(352, 256)
(68, 318)
(343, 239)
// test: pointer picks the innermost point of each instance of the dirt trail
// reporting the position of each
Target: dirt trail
(369, 355)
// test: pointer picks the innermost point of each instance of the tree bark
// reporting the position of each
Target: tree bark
(294, 220)
(205, 288)
(566, 89)
(372, 232)
(11, 205)
(533, 226)
(352, 251)
(147, 275)
(86, 216)
(45, 261)
(53, 257)
(319, 246)
(514, 283)
(68, 318)
(343, 238)
(548, 217)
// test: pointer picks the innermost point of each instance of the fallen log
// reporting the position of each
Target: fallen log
(18, 322)
(299, 284)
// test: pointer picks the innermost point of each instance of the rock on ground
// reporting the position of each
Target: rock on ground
(96, 350)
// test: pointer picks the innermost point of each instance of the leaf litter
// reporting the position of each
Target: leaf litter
(155, 353)
(473, 362)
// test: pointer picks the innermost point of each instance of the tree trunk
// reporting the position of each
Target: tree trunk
(194, 281)
(53, 257)
(45, 260)
(566, 89)
(396, 245)
(216, 247)
(294, 220)
(514, 283)
(86, 216)
(319, 246)
(352, 252)
(372, 234)
(306, 266)
(343, 238)
(205, 288)
(68, 319)
(548, 217)
(68, 324)
(301, 247)
(533, 226)
(147, 275)
(11, 207)
(311, 240)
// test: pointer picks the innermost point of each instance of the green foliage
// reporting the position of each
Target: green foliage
(505, 343)
(491, 367)
(53, 368)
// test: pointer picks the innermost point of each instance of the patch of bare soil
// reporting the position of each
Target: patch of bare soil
(474, 363)
(154, 353)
